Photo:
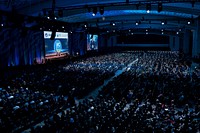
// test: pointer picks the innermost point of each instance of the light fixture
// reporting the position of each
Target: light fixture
(101, 10)
(163, 22)
(160, 7)
(162, 33)
(188, 22)
(148, 7)
(94, 11)
(112, 23)
(136, 23)
(177, 32)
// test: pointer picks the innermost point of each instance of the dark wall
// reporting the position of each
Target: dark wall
(20, 47)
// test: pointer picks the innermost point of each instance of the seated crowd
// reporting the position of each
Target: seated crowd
(35, 93)
(157, 93)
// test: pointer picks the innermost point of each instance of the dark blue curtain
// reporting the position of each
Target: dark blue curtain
(20, 47)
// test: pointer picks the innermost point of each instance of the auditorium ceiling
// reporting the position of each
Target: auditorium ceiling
(112, 15)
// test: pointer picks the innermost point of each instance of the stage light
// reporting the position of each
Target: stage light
(136, 23)
(160, 7)
(112, 23)
(101, 10)
(162, 33)
(177, 32)
(148, 7)
(188, 22)
(163, 22)
(94, 11)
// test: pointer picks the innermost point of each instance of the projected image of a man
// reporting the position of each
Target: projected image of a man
(57, 46)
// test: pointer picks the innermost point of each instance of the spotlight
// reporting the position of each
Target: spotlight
(136, 23)
(148, 7)
(85, 25)
(112, 23)
(160, 7)
(177, 32)
(188, 22)
(164, 22)
(94, 11)
(162, 33)
(101, 10)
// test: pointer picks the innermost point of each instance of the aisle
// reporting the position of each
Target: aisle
(94, 93)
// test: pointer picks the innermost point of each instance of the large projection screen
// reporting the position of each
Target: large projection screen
(57, 47)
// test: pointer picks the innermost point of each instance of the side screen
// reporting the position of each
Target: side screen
(92, 42)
